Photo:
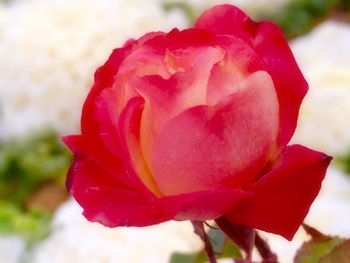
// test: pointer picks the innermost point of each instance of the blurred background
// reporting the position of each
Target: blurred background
(49, 50)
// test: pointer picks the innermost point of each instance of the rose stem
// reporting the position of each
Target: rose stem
(314, 233)
(199, 230)
(264, 250)
(241, 236)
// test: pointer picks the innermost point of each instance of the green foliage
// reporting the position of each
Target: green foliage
(299, 16)
(330, 250)
(339, 254)
(31, 225)
(182, 258)
(344, 163)
(313, 250)
(26, 165)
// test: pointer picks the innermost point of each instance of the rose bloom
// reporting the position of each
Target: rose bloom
(194, 125)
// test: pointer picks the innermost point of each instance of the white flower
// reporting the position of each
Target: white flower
(324, 58)
(76, 240)
(50, 49)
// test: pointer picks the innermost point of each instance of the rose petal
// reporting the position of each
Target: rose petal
(107, 117)
(79, 177)
(282, 198)
(93, 122)
(106, 201)
(73, 142)
(120, 207)
(165, 98)
(104, 78)
(227, 20)
(218, 147)
(182, 39)
(205, 205)
(129, 133)
(95, 148)
(111, 163)
(232, 69)
(163, 55)
(290, 84)
(269, 43)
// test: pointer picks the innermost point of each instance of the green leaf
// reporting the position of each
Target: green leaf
(201, 257)
(298, 17)
(313, 250)
(343, 162)
(26, 166)
(222, 246)
(230, 251)
(339, 254)
(32, 226)
(27, 163)
(182, 258)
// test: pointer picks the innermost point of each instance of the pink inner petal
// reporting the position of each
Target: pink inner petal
(166, 98)
(129, 133)
(218, 147)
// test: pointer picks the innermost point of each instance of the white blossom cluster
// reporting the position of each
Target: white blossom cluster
(76, 240)
(324, 58)
(49, 50)
(12, 249)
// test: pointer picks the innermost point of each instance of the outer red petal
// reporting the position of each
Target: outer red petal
(96, 126)
(99, 140)
(188, 38)
(281, 199)
(114, 166)
(107, 201)
(90, 142)
(269, 43)
(104, 78)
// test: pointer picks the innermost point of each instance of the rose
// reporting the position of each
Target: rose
(194, 124)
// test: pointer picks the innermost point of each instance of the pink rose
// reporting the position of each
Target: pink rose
(194, 125)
